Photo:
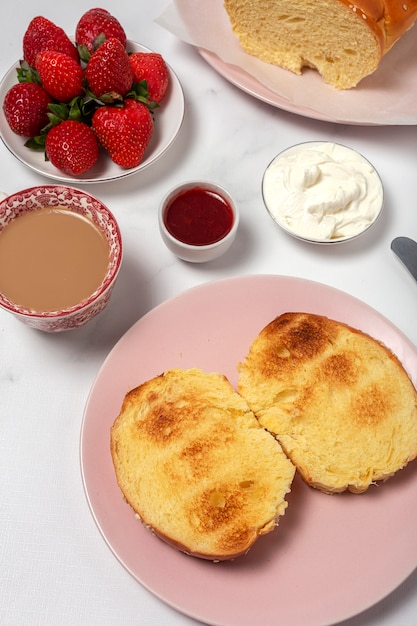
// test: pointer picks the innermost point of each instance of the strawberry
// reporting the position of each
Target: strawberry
(61, 76)
(151, 67)
(97, 25)
(25, 107)
(72, 147)
(124, 131)
(108, 71)
(42, 34)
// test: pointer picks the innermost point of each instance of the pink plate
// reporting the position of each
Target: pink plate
(339, 554)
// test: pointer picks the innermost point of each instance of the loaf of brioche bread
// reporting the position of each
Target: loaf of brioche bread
(195, 465)
(339, 402)
(343, 40)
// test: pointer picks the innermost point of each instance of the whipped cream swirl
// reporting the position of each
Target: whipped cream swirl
(322, 191)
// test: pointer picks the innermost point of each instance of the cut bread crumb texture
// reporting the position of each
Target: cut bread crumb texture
(342, 40)
(195, 465)
(339, 402)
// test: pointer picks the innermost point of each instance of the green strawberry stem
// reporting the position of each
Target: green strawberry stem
(139, 91)
(27, 74)
(36, 143)
(83, 51)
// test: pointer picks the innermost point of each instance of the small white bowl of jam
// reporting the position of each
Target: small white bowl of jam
(198, 221)
(60, 254)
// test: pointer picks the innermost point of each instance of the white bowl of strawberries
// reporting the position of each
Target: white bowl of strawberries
(91, 111)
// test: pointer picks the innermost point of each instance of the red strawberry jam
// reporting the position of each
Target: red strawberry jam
(199, 217)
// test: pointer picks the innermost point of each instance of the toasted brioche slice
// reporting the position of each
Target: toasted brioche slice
(193, 462)
(339, 402)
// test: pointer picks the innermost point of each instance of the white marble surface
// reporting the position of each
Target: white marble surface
(55, 567)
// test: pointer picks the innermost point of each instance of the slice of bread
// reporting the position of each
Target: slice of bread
(343, 40)
(339, 402)
(195, 465)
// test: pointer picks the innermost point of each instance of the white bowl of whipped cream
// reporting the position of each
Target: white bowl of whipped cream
(322, 192)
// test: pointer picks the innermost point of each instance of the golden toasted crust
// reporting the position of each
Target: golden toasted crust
(193, 462)
(343, 40)
(339, 402)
